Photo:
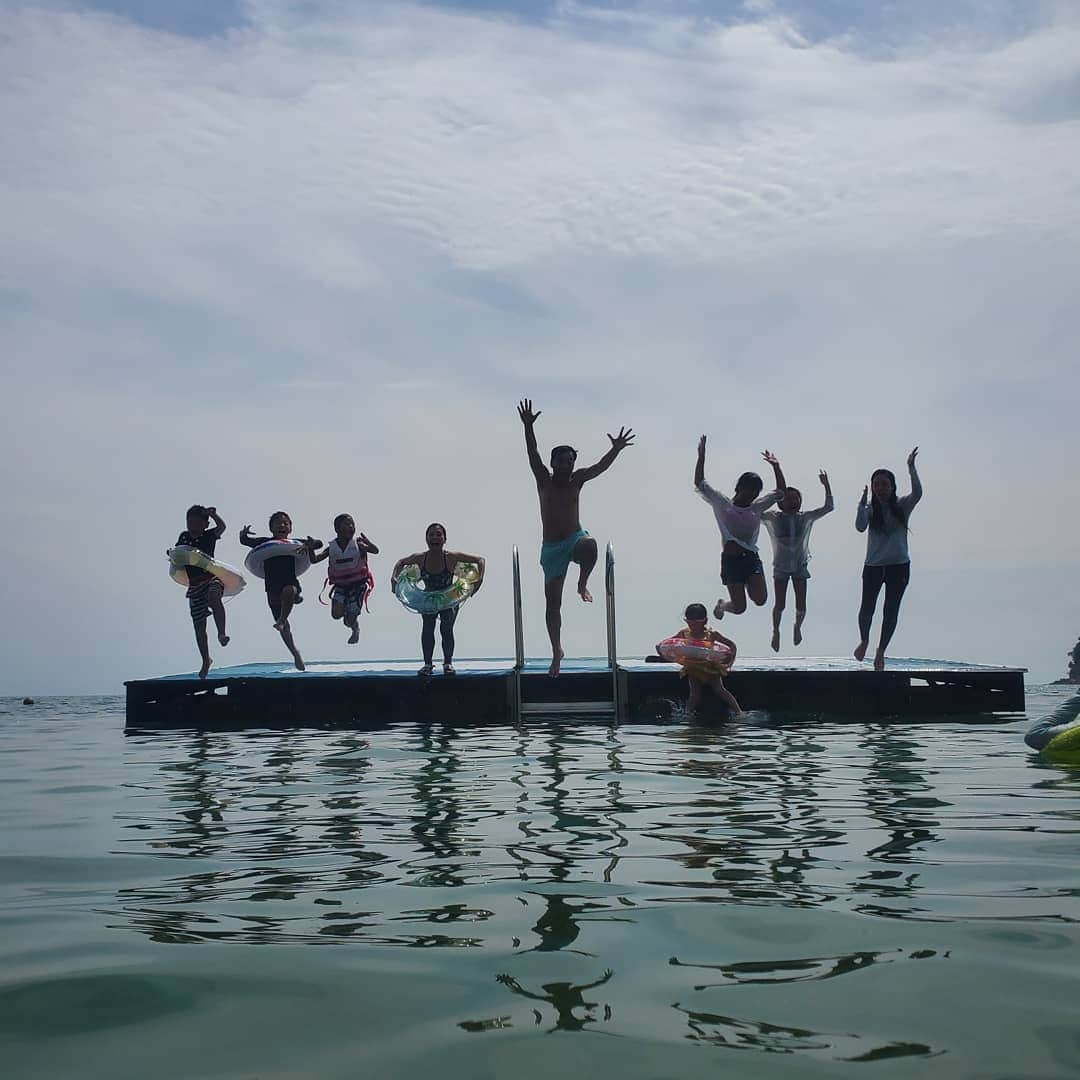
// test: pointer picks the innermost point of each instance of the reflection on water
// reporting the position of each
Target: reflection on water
(833, 893)
(569, 840)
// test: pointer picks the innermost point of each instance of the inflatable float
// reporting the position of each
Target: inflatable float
(182, 556)
(412, 594)
(273, 549)
(1057, 736)
(707, 658)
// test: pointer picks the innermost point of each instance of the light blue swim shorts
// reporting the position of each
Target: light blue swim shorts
(555, 555)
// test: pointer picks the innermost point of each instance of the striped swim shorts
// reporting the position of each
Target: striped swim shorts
(199, 596)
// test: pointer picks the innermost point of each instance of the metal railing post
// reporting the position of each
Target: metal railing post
(612, 644)
(519, 637)
(519, 633)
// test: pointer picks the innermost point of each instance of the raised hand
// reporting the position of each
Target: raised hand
(525, 411)
(770, 457)
(621, 441)
(865, 492)
(911, 458)
(823, 476)
(701, 447)
(212, 511)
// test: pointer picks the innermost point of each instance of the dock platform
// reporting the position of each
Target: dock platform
(375, 694)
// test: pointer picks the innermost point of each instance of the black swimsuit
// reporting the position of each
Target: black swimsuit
(436, 582)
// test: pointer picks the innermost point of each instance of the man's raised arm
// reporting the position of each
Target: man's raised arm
(528, 419)
(619, 443)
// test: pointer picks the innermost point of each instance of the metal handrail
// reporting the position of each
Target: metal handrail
(519, 632)
(612, 645)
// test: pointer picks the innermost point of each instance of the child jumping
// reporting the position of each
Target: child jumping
(348, 573)
(282, 585)
(789, 529)
(696, 629)
(739, 519)
(204, 590)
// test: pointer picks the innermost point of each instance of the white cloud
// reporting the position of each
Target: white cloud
(315, 263)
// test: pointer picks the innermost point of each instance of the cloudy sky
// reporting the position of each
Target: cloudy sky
(309, 254)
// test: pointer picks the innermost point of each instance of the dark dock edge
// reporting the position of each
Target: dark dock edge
(363, 700)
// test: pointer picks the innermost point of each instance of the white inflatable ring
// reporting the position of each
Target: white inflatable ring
(273, 549)
(182, 556)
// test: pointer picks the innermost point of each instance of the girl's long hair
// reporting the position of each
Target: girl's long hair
(877, 518)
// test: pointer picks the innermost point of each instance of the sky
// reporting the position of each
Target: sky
(309, 255)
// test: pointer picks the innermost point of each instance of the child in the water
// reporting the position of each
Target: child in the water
(697, 676)
(204, 590)
(348, 573)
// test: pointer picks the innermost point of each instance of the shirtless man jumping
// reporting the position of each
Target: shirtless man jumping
(565, 541)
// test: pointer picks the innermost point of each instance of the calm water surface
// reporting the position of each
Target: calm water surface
(765, 899)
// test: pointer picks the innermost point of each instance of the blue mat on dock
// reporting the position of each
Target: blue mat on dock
(534, 666)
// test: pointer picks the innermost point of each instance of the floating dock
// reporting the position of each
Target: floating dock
(373, 694)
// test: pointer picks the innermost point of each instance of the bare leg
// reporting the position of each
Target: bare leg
(553, 590)
(204, 647)
(286, 636)
(799, 585)
(218, 610)
(726, 696)
(288, 599)
(756, 589)
(780, 589)
(736, 605)
(693, 696)
(585, 556)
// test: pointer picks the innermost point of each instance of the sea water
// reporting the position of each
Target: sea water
(777, 897)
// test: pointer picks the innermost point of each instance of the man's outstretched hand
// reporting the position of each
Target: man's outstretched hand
(525, 411)
(621, 441)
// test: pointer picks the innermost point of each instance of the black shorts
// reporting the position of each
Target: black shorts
(199, 596)
(274, 598)
(736, 568)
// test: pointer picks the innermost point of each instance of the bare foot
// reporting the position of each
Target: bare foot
(298, 660)
(860, 650)
(718, 611)
(223, 640)
(204, 669)
(584, 594)
(776, 641)
(797, 636)
(879, 661)
(427, 669)
(354, 637)
(555, 662)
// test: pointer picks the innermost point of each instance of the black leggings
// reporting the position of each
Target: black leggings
(446, 619)
(895, 579)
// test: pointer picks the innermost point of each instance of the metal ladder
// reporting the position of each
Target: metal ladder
(609, 706)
